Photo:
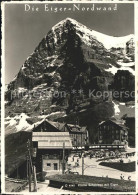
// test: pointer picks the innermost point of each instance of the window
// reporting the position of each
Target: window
(46, 156)
(116, 131)
(55, 166)
(55, 156)
(48, 164)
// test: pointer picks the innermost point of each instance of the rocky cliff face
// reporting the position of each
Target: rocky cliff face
(67, 42)
(124, 83)
(130, 51)
(70, 59)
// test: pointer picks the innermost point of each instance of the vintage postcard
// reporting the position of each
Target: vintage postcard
(68, 97)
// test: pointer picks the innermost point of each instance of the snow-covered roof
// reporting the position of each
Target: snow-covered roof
(50, 140)
(76, 128)
(120, 123)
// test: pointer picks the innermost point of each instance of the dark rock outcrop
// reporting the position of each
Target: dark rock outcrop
(124, 83)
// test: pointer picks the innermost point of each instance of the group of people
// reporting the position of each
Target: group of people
(77, 162)
(122, 177)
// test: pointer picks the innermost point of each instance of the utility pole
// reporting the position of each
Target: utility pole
(82, 165)
(29, 165)
(30, 179)
(29, 153)
(27, 176)
(31, 169)
(63, 160)
(17, 171)
(35, 180)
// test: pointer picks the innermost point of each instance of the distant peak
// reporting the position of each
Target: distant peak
(64, 21)
(70, 19)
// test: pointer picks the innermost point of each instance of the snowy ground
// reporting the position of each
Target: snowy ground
(124, 66)
(92, 168)
(18, 123)
(116, 108)
(121, 109)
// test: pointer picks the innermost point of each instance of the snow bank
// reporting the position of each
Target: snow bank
(129, 64)
(122, 103)
(19, 122)
(23, 124)
(53, 114)
(114, 69)
(116, 108)
(21, 89)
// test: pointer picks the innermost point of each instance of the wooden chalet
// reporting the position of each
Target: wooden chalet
(78, 135)
(129, 119)
(112, 132)
(46, 126)
(49, 148)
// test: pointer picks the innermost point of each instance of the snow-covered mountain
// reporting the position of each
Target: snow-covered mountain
(52, 50)
(70, 56)
(86, 34)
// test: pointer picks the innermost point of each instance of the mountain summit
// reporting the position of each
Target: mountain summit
(106, 40)
(71, 57)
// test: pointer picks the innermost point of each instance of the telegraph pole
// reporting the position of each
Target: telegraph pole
(30, 179)
(82, 165)
(29, 167)
(27, 176)
(35, 180)
(63, 160)
(31, 170)
(17, 171)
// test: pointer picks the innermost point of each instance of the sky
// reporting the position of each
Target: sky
(25, 29)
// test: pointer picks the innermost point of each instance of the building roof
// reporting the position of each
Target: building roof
(56, 126)
(75, 128)
(51, 126)
(119, 123)
(52, 140)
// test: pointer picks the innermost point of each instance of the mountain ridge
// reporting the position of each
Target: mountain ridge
(70, 58)
(45, 42)
(100, 36)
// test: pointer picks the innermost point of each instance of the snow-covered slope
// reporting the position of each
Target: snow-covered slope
(124, 66)
(18, 123)
(106, 40)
